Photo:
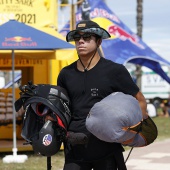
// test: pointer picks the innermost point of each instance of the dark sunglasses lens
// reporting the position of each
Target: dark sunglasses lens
(86, 37)
(76, 37)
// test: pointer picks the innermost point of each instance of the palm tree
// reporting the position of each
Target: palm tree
(139, 19)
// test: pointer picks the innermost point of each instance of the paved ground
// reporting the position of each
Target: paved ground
(155, 156)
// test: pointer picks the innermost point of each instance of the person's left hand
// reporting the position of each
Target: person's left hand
(48, 117)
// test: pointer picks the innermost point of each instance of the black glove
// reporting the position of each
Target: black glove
(76, 138)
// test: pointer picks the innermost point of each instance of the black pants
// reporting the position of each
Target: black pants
(110, 163)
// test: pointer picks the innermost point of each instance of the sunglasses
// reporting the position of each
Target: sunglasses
(86, 36)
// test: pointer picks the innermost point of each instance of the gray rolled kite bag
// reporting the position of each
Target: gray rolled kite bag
(118, 118)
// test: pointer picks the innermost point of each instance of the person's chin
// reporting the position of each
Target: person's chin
(82, 52)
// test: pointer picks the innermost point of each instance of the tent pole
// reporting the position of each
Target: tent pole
(13, 108)
(14, 158)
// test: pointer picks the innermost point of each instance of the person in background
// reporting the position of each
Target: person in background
(151, 109)
(87, 81)
(164, 108)
(168, 106)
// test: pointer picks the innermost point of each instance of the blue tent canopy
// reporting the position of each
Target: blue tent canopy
(124, 45)
(19, 36)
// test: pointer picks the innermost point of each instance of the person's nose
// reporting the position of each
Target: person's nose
(81, 38)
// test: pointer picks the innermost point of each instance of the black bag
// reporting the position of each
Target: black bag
(32, 124)
(147, 130)
(40, 101)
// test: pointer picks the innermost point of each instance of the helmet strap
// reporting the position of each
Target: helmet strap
(86, 68)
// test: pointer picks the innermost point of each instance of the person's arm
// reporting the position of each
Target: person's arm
(142, 102)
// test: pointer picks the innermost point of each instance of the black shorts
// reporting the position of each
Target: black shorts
(113, 162)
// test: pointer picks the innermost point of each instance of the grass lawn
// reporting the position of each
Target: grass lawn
(163, 125)
(40, 162)
(35, 162)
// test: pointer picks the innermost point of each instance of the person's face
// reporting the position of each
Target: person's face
(85, 43)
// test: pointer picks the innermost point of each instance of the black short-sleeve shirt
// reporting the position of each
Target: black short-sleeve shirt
(84, 90)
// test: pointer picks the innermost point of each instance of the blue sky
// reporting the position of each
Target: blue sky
(156, 22)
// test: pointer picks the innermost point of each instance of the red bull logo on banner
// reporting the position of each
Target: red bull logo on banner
(108, 21)
(115, 30)
(124, 35)
(101, 14)
(18, 41)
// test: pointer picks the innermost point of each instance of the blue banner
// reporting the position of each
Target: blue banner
(124, 45)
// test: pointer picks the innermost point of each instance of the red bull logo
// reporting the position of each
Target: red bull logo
(124, 35)
(118, 32)
(18, 39)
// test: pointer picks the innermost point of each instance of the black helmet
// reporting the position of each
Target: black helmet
(38, 101)
(54, 97)
(48, 142)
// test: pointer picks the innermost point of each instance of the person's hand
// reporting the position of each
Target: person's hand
(48, 117)
(21, 111)
(145, 116)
